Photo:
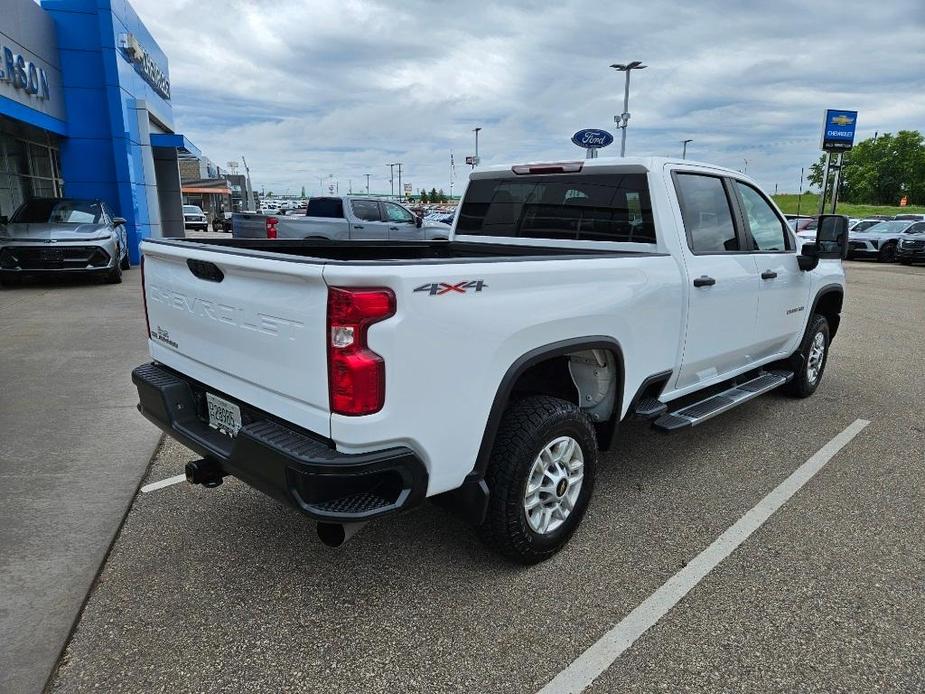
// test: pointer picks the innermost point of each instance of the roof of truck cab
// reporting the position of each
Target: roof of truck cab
(639, 164)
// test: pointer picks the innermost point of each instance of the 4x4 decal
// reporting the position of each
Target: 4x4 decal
(438, 288)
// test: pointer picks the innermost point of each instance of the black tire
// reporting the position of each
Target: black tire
(114, 276)
(887, 254)
(803, 384)
(10, 280)
(125, 263)
(905, 261)
(529, 426)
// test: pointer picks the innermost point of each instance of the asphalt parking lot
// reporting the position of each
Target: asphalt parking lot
(227, 590)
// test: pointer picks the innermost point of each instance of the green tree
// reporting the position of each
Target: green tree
(441, 195)
(424, 196)
(303, 191)
(879, 171)
(433, 195)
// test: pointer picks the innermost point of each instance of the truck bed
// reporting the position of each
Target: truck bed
(301, 250)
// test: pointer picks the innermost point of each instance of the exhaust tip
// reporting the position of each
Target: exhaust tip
(336, 534)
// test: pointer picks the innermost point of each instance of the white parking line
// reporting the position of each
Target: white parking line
(163, 483)
(602, 654)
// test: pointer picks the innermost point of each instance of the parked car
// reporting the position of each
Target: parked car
(486, 372)
(879, 241)
(222, 222)
(911, 247)
(340, 219)
(863, 224)
(63, 235)
(193, 218)
(910, 217)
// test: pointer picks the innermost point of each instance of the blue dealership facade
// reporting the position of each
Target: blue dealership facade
(85, 112)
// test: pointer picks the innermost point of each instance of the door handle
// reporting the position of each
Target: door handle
(358, 226)
(768, 275)
(704, 281)
(393, 228)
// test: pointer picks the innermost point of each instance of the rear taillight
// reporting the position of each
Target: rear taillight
(144, 299)
(356, 374)
(271, 227)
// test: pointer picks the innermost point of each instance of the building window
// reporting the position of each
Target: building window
(28, 165)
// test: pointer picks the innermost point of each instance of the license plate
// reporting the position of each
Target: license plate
(223, 415)
(51, 255)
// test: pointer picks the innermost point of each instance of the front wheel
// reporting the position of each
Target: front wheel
(808, 362)
(540, 478)
(114, 276)
(887, 254)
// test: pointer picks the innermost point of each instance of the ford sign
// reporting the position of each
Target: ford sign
(592, 139)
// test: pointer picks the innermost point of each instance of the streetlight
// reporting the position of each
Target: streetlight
(745, 170)
(684, 151)
(392, 179)
(624, 118)
(476, 161)
(367, 182)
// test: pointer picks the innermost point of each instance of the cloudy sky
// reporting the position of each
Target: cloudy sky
(309, 88)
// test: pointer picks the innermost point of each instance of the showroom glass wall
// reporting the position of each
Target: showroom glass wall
(28, 165)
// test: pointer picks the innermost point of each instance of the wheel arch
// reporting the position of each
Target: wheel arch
(828, 303)
(537, 358)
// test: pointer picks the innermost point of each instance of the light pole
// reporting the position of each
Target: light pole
(476, 161)
(745, 170)
(392, 179)
(684, 151)
(624, 118)
(400, 193)
(367, 182)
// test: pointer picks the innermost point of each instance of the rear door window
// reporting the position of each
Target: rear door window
(575, 207)
(707, 213)
(325, 207)
(367, 210)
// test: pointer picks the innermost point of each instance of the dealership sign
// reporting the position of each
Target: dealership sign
(145, 64)
(23, 74)
(838, 129)
(592, 139)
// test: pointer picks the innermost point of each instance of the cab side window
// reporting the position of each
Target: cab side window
(765, 226)
(367, 210)
(707, 213)
(397, 213)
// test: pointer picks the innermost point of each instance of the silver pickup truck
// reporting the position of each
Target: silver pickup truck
(343, 218)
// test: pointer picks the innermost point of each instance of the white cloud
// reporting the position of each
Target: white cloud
(309, 89)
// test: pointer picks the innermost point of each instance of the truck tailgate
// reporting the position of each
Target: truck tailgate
(254, 331)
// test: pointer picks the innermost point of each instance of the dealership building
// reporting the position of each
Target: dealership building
(85, 112)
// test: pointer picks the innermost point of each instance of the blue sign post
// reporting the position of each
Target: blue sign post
(838, 130)
(592, 140)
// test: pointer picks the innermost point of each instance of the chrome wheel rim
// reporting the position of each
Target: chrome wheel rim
(814, 361)
(554, 485)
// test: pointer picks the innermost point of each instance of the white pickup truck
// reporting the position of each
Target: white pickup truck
(355, 380)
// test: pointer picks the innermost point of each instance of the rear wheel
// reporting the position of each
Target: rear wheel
(540, 478)
(808, 362)
(887, 254)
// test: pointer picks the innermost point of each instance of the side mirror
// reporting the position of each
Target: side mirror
(832, 236)
(118, 221)
(418, 222)
(809, 257)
